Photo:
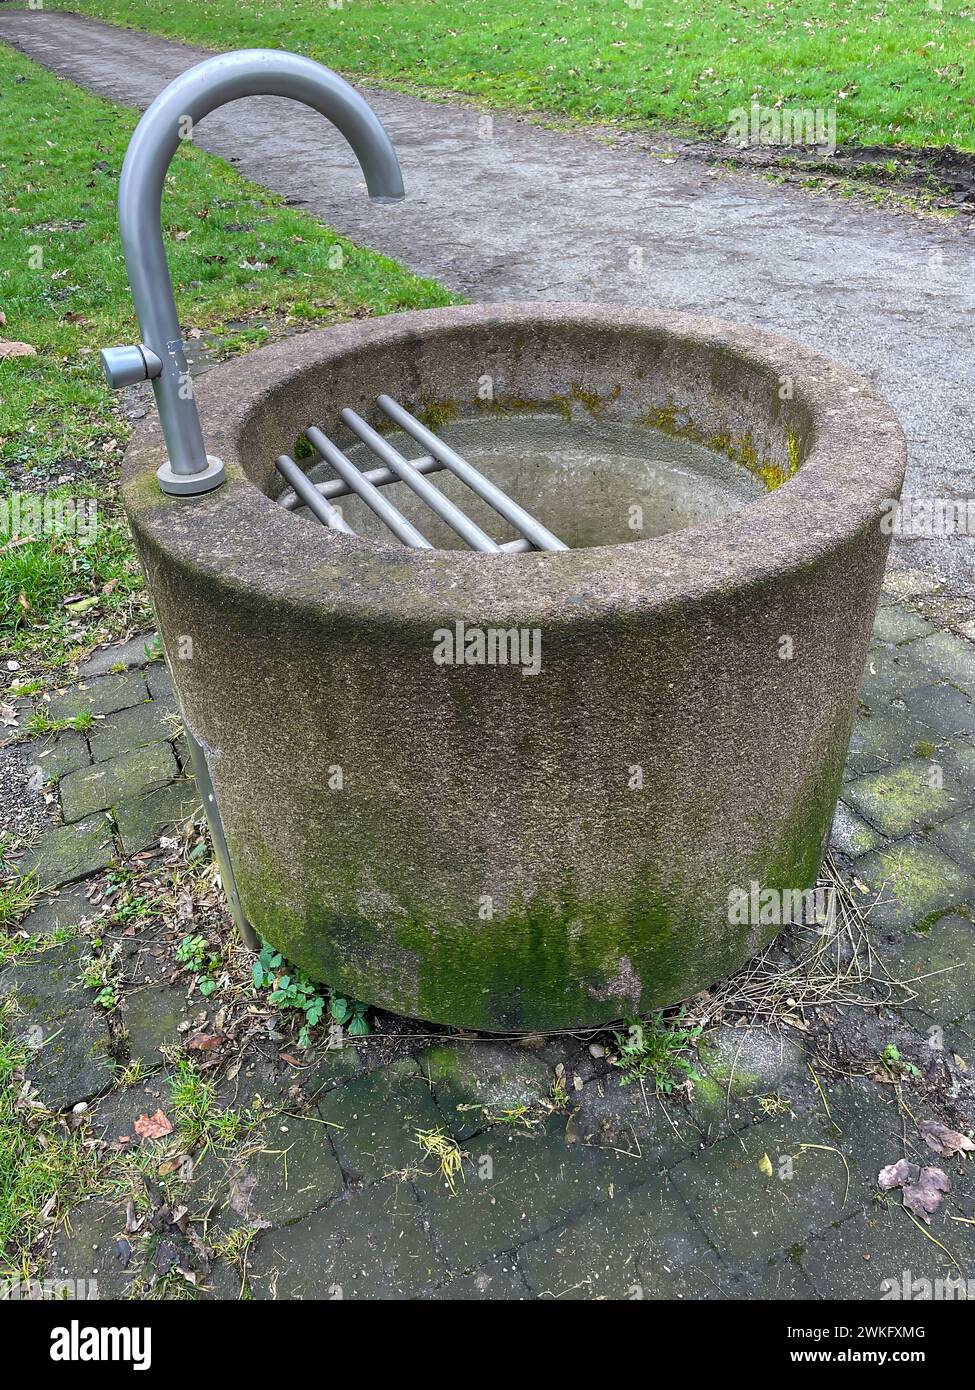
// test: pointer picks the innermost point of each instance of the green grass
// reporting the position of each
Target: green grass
(898, 71)
(40, 1159)
(199, 1121)
(63, 290)
(17, 895)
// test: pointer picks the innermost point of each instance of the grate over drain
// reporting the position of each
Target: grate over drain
(367, 484)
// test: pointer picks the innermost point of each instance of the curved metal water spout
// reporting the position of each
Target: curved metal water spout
(170, 119)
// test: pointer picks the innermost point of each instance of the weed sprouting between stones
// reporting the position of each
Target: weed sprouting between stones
(291, 990)
(651, 1048)
(194, 954)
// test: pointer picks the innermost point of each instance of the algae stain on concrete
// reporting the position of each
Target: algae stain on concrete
(739, 448)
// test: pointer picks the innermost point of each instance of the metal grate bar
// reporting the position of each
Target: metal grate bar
(532, 529)
(379, 477)
(331, 516)
(365, 483)
(327, 514)
(456, 519)
(402, 529)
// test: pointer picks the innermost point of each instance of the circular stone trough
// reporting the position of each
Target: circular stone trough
(550, 843)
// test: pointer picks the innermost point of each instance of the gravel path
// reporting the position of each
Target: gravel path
(506, 210)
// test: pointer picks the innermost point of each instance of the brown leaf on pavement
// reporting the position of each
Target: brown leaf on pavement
(923, 1189)
(152, 1127)
(924, 1197)
(897, 1174)
(944, 1141)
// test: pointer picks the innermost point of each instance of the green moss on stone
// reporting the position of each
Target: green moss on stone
(372, 924)
(435, 414)
(740, 449)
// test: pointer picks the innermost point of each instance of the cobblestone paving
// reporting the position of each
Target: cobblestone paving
(760, 1184)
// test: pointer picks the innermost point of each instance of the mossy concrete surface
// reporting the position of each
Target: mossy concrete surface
(117, 784)
(511, 852)
(70, 852)
(69, 1046)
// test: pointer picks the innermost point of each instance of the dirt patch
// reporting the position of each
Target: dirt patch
(947, 175)
(881, 1045)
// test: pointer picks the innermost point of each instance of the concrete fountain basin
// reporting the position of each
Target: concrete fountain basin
(552, 840)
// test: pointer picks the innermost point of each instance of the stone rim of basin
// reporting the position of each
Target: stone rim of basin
(853, 464)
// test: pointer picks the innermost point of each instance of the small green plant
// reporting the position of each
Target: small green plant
(897, 1065)
(107, 997)
(193, 954)
(153, 649)
(98, 973)
(651, 1048)
(40, 723)
(558, 1094)
(436, 1143)
(774, 1105)
(131, 909)
(516, 1116)
(31, 685)
(288, 990)
(130, 1075)
(349, 1014)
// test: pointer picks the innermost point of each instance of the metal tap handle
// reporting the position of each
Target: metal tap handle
(170, 119)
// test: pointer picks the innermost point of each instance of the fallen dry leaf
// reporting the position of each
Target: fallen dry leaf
(205, 1042)
(896, 1174)
(765, 1165)
(17, 350)
(165, 1256)
(924, 1197)
(152, 1127)
(177, 1164)
(922, 1189)
(944, 1141)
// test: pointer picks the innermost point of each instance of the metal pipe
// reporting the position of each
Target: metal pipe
(402, 529)
(540, 536)
(169, 120)
(327, 514)
(379, 477)
(445, 509)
